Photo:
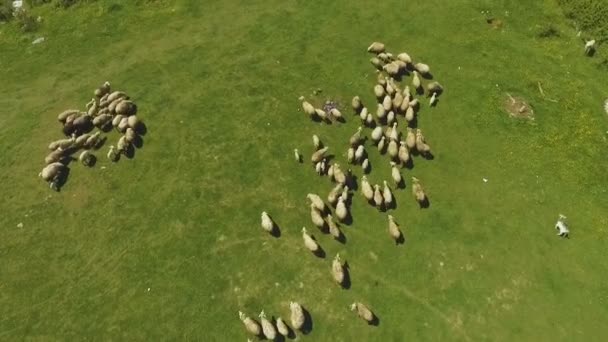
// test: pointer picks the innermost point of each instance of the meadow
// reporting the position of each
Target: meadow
(168, 245)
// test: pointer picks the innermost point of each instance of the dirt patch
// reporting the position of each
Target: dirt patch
(495, 23)
(517, 107)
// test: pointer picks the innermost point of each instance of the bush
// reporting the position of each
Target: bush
(6, 10)
(548, 31)
(590, 16)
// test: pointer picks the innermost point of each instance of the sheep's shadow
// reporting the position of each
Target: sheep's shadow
(410, 162)
(130, 152)
(346, 283)
(400, 240)
(401, 184)
(348, 220)
(420, 90)
(320, 253)
(62, 179)
(341, 238)
(428, 156)
(352, 182)
(139, 142)
(107, 127)
(141, 129)
(276, 230)
(92, 161)
(426, 203)
(434, 104)
(428, 76)
(307, 327)
(414, 122)
(100, 143)
(375, 320)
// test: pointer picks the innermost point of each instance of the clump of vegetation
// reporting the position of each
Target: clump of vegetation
(6, 10)
(591, 16)
(548, 31)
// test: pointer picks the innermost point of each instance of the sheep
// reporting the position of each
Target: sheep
(322, 167)
(421, 144)
(113, 155)
(309, 242)
(62, 117)
(350, 155)
(267, 223)
(414, 103)
(133, 121)
(365, 165)
(589, 47)
(319, 155)
(123, 125)
(409, 114)
(395, 174)
(101, 120)
(316, 201)
(130, 135)
(267, 328)
(356, 103)
(335, 113)
(355, 139)
(376, 134)
(416, 80)
(345, 193)
(393, 229)
(363, 113)
(297, 315)
(404, 155)
(337, 270)
(376, 62)
(376, 47)
(61, 144)
(81, 140)
(321, 113)
(309, 109)
(341, 211)
(363, 312)
(379, 91)
(330, 172)
(93, 140)
(252, 326)
(86, 158)
(126, 107)
(404, 57)
(434, 88)
(359, 153)
(103, 90)
(405, 104)
(433, 100)
(418, 191)
(387, 195)
(116, 120)
(297, 156)
(384, 57)
(54, 157)
(390, 117)
(394, 133)
(390, 87)
(333, 227)
(51, 171)
(402, 65)
(380, 111)
(422, 68)
(122, 145)
(387, 103)
(378, 199)
(380, 79)
(392, 68)
(339, 175)
(397, 100)
(282, 328)
(117, 95)
(393, 150)
(369, 121)
(316, 217)
(381, 144)
(316, 142)
(114, 104)
(410, 139)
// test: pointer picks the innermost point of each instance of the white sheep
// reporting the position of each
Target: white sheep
(387, 195)
(422, 68)
(416, 80)
(378, 199)
(421, 144)
(282, 327)
(380, 111)
(86, 158)
(390, 88)
(418, 191)
(433, 100)
(335, 113)
(414, 104)
(61, 144)
(589, 47)
(54, 156)
(339, 175)
(397, 100)
(62, 117)
(321, 113)
(365, 165)
(387, 103)
(355, 139)
(404, 57)
(316, 201)
(434, 87)
(410, 139)
(369, 120)
(316, 142)
(376, 134)
(316, 218)
(103, 90)
(251, 325)
(390, 117)
(393, 150)
(350, 155)
(52, 171)
(319, 168)
(345, 193)
(332, 197)
(267, 223)
(356, 103)
(297, 156)
(363, 312)
(376, 62)
(363, 113)
(379, 91)
(394, 133)
(113, 155)
(393, 229)
(130, 135)
(297, 315)
(319, 155)
(366, 189)
(337, 270)
(359, 153)
(267, 328)
(376, 47)
(309, 243)
(381, 144)
(323, 167)
(404, 155)
(309, 109)
(395, 174)
(334, 230)
(409, 114)
(341, 211)
(392, 68)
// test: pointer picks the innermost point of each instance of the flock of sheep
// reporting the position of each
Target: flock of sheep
(105, 111)
(392, 102)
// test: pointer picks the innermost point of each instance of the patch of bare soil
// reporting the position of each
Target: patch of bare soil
(517, 107)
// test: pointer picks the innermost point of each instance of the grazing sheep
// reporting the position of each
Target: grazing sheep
(126, 107)
(309, 109)
(122, 145)
(363, 312)
(345, 193)
(52, 171)
(422, 68)
(335, 113)
(418, 191)
(410, 140)
(359, 153)
(92, 107)
(421, 144)
(404, 57)
(86, 158)
(61, 144)
(433, 100)
(319, 155)
(396, 174)
(405, 104)
(363, 114)
(402, 65)
(387, 194)
(350, 155)
(381, 144)
(297, 315)
(387, 103)
(316, 142)
(404, 155)
(267, 223)
(93, 140)
(310, 244)
(267, 328)
(339, 175)
(369, 120)
(589, 47)
(341, 211)
(366, 189)
(380, 111)
(356, 103)
(112, 106)
(376, 47)
(282, 327)
(392, 68)
(393, 229)
(113, 155)
(316, 201)
(416, 80)
(355, 139)
(378, 199)
(434, 88)
(397, 100)
(333, 227)
(337, 270)
(376, 134)
(365, 165)
(116, 120)
(296, 155)
(330, 172)
(133, 121)
(381, 79)
(390, 87)
(252, 326)
(321, 113)
(322, 167)
(103, 90)
(130, 135)
(376, 62)
(54, 156)
(316, 218)
(394, 133)
(101, 120)
(414, 104)
(123, 124)
(393, 150)
(390, 117)
(62, 117)
(409, 114)
(81, 140)
(384, 57)
(117, 95)
(379, 91)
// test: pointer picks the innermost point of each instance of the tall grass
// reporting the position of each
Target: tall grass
(590, 16)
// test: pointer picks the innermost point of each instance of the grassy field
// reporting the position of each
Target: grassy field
(167, 246)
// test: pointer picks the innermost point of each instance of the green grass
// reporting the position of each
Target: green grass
(217, 84)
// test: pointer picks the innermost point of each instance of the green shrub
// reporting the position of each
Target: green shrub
(548, 31)
(590, 16)
(6, 10)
